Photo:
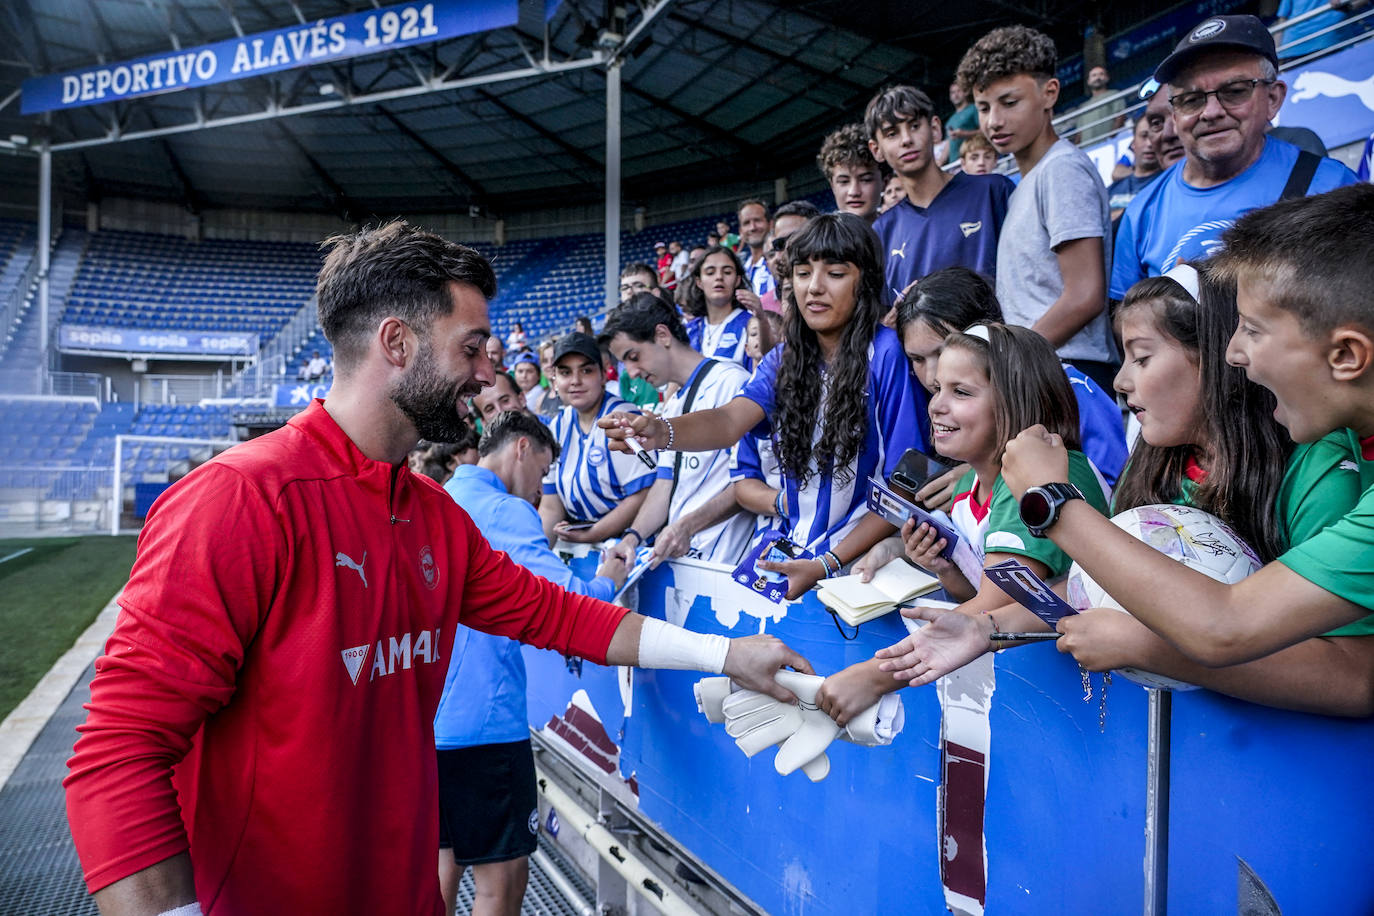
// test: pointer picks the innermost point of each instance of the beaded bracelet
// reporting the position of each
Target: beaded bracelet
(668, 423)
(825, 565)
(836, 559)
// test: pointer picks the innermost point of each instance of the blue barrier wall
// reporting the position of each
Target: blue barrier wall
(1065, 805)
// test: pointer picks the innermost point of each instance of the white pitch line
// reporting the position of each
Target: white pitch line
(25, 721)
(17, 553)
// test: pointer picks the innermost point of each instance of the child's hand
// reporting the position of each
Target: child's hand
(881, 554)
(1034, 458)
(801, 574)
(947, 643)
(1101, 639)
(845, 694)
(938, 493)
(923, 545)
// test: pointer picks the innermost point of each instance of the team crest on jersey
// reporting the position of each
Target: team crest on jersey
(596, 456)
(969, 228)
(353, 659)
(727, 340)
(428, 568)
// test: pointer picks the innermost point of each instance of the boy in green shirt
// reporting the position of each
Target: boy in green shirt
(1304, 270)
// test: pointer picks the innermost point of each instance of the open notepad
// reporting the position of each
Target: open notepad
(894, 584)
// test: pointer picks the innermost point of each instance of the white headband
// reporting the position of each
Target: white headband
(980, 331)
(1185, 275)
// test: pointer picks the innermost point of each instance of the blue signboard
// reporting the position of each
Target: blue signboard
(152, 342)
(1022, 798)
(1333, 95)
(318, 42)
(299, 394)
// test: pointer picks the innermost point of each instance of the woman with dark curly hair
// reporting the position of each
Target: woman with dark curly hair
(838, 396)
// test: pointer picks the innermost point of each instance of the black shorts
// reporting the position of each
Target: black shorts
(488, 811)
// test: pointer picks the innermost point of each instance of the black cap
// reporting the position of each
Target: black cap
(1244, 33)
(576, 342)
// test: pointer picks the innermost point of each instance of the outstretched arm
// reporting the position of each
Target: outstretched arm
(1331, 676)
(1212, 623)
(698, 431)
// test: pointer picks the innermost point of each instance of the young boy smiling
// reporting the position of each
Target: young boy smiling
(943, 220)
(1054, 250)
(1304, 270)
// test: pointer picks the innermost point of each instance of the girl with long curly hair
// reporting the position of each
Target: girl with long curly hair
(837, 395)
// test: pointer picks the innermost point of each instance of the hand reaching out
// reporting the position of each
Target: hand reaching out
(948, 642)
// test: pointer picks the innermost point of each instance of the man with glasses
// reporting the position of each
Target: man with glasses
(1222, 88)
(790, 217)
(638, 278)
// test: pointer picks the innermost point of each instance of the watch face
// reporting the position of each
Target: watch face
(1035, 508)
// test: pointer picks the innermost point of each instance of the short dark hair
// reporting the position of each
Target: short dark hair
(949, 300)
(896, 103)
(803, 208)
(512, 424)
(639, 267)
(393, 269)
(749, 202)
(1005, 52)
(1307, 251)
(638, 317)
(846, 146)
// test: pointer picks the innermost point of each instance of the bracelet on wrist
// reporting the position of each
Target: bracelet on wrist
(671, 436)
(780, 504)
(835, 558)
(825, 565)
(638, 537)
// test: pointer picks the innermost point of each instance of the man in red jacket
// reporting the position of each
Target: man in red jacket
(260, 731)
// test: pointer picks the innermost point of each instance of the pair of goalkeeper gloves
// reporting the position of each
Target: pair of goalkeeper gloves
(801, 730)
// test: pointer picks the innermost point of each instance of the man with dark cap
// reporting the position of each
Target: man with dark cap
(1223, 90)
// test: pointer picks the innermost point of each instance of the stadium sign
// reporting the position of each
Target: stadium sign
(299, 394)
(219, 344)
(332, 39)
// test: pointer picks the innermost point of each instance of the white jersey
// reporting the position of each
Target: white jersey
(588, 477)
(702, 475)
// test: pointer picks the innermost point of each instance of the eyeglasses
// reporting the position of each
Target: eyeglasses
(780, 242)
(1236, 92)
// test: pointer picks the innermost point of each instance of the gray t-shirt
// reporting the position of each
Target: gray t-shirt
(1061, 199)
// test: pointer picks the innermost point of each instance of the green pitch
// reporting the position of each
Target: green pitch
(50, 591)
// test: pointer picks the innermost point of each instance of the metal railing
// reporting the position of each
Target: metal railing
(180, 389)
(54, 498)
(1074, 122)
(40, 380)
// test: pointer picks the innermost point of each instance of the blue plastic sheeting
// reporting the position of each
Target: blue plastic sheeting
(1065, 805)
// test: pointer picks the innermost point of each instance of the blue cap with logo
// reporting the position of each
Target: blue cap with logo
(1242, 33)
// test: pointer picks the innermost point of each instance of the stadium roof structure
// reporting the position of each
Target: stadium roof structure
(713, 92)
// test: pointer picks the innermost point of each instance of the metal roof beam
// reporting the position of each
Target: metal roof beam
(273, 111)
(473, 188)
(189, 197)
(578, 154)
(337, 197)
(701, 125)
(768, 52)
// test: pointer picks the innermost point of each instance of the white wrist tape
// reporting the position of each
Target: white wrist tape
(662, 645)
(189, 909)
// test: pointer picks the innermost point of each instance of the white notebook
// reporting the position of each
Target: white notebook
(894, 584)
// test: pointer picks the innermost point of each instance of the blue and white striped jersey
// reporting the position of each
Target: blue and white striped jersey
(826, 509)
(724, 341)
(588, 477)
(702, 475)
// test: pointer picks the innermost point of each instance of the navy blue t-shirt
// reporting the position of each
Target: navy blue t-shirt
(958, 229)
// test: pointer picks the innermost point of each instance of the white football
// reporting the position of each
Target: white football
(1195, 538)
